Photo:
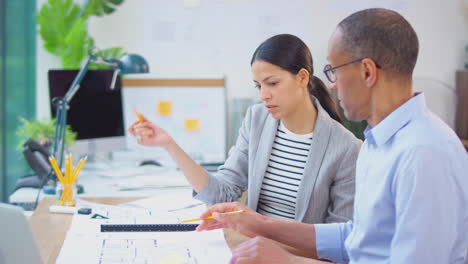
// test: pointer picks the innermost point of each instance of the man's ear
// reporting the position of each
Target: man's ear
(370, 72)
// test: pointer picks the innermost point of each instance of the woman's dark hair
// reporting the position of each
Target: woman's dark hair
(292, 54)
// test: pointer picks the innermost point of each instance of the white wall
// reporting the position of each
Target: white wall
(440, 24)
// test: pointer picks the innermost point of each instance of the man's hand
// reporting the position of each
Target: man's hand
(248, 223)
(260, 250)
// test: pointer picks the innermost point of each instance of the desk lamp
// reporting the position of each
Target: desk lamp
(128, 64)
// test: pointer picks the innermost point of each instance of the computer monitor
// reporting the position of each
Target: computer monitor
(95, 110)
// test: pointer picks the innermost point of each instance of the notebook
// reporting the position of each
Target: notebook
(17, 244)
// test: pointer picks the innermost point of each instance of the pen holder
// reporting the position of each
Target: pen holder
(66, 193)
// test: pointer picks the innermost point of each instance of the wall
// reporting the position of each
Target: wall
(441, 26)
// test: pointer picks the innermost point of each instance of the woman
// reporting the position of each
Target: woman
(292, 156)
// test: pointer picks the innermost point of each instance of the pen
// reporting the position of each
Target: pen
(141, 119)
(210, 217)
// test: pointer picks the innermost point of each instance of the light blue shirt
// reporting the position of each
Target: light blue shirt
(411, 203)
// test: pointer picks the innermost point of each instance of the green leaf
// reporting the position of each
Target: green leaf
(77, 45)
(55, 19)
(70, 136)
(40, 130)
(101, 7)
(109, 53)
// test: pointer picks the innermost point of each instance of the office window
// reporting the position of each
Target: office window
(17, 85)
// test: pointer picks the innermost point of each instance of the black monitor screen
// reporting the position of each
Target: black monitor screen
(95, 110)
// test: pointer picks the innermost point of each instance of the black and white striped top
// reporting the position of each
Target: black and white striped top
(278, 194)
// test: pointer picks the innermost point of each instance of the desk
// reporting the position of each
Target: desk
(96, 185)
(49, 230)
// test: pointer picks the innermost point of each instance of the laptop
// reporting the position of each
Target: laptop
(17, 244)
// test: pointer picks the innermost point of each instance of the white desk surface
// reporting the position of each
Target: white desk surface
(98, 186)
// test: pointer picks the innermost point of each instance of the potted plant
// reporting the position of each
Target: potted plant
(43, 132)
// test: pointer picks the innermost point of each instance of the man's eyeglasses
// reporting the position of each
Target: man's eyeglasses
(330, 71)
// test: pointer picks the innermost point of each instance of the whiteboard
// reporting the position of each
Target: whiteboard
(192, 111)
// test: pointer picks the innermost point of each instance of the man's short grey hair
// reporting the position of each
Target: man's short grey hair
(383, 36)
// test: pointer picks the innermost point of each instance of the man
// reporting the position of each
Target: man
(411, 174)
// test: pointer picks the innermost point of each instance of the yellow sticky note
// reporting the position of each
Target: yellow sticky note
(165, 108)
(191, 124)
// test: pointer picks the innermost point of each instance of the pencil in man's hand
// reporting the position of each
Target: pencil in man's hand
(210, 217)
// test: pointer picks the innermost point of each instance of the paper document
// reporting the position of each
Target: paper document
(155, 247)
(131, 171)
(145, 177)
(145, 211)
(176, 206)
(85, 243)
(141, 183)
(168, 202)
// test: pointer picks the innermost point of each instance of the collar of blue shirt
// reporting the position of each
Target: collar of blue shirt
(401, 116)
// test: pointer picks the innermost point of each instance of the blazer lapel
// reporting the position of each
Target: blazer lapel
(262, 156)
(317, 152)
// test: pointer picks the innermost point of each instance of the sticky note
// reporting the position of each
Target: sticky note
(165, 108)
(191, 124)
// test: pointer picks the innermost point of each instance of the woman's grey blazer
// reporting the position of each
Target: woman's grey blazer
(326, 193)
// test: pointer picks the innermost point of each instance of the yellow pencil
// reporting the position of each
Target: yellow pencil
(78, 168)
(141, 119)
(211, 217)
(56, 168)
(68, 166)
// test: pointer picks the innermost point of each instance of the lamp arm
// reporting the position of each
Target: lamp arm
(62, 111)
(79, 77)
(61, 117)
